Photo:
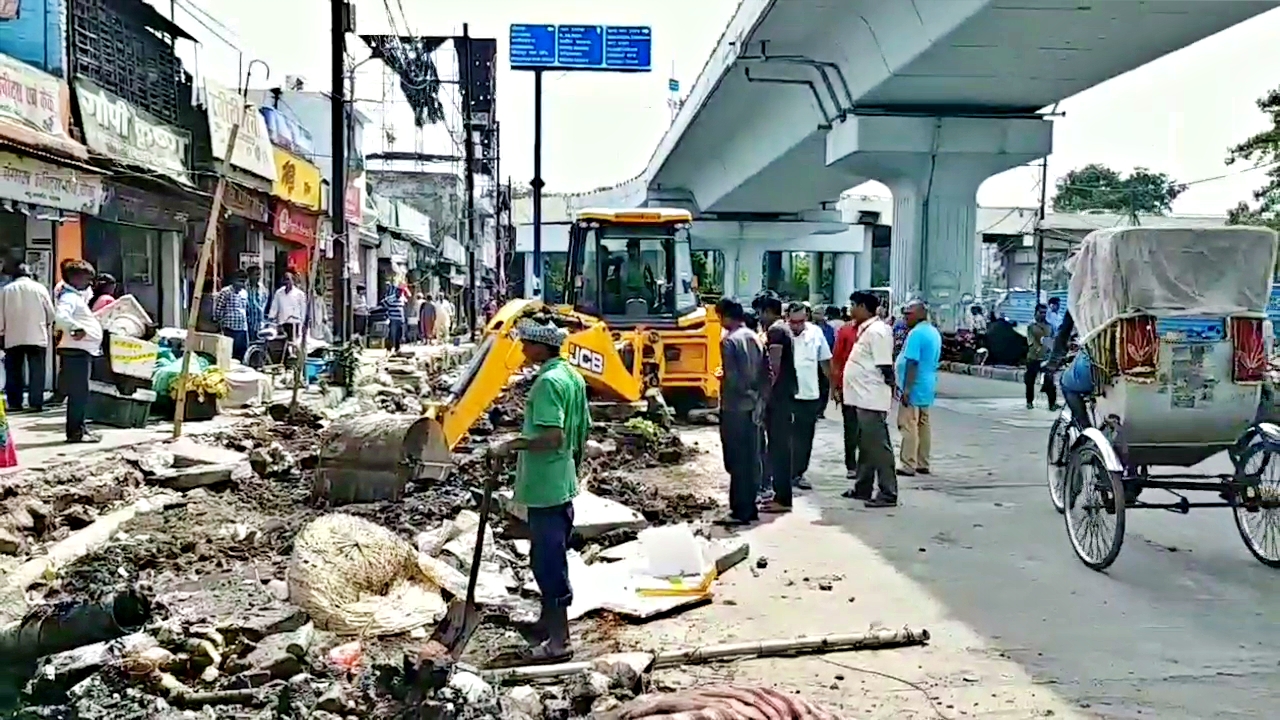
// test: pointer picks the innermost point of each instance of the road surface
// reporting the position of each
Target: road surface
(1186, 624)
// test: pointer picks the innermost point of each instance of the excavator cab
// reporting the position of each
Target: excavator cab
(633, 270)
(632, 267)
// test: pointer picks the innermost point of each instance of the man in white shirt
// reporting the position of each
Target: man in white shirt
(813, 365)
(81, 342)
(289, 307)
(868, 388)
(444, 318)
(26, 312)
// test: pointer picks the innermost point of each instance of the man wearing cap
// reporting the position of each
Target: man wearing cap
(551, 448)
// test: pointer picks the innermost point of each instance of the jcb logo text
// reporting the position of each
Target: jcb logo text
(588, 360)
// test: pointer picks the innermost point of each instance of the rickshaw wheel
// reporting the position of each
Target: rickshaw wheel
(1094, 500)
(1256, 503)
(1057, 461)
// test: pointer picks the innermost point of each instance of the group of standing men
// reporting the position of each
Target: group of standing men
(241, 308)
(30, 317)
(774, 390)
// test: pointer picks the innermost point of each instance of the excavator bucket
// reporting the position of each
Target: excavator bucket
(371, 458)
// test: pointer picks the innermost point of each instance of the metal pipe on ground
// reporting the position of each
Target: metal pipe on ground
(59, 629)
(840, 642)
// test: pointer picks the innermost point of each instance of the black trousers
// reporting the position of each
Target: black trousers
(1033, 371)
(17, 359)
(780, 425)
(739, 437)
(73, 379)
(850, 416)
(550, 529)
(824, 393)
(395, 328)
(805, 420)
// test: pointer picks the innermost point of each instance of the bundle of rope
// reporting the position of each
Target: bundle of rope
(354, 577)
(721, 703)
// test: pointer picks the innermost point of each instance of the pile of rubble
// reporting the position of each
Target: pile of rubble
(181, 558)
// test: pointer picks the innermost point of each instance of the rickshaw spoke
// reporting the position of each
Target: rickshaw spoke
(1257, 509)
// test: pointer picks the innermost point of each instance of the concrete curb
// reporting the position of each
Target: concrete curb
(991, 372)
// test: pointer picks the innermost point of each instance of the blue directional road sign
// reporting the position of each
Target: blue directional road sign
(628, 48)
(582, 47)
(533, 46)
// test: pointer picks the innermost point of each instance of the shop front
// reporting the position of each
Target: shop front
(246, 220)
(295, 233)
(45, 183)
(138, 236)
(298, 193)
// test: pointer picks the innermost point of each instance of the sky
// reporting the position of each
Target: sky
(1176, 115)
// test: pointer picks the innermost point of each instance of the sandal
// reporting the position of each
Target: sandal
(540, 654)
(775, 508)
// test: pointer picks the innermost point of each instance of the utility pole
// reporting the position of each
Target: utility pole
(339, 19)
(469, 151)
(494, 154)
(537, 184)
(1044, 193)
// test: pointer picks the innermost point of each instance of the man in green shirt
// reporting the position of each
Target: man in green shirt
(551, 447)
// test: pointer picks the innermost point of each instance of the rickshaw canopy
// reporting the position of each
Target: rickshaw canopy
(1170, 272)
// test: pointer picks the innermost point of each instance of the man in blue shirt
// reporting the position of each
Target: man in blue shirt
(1077, 379)
(917, 370)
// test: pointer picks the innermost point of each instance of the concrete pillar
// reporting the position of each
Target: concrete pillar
(934, 166)
(815, 278)
(749, 264)
(729, 276)
(863, 278)
(845, 277)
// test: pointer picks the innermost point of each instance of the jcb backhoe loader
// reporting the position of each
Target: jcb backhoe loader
(636, 332)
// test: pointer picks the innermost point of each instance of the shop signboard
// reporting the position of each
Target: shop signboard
(35, 182)
(245, 202)
(130, 135)
(353, 200)
(297, 180)
(133, 206)
(253, 152)
(295, 225)
(30, 98)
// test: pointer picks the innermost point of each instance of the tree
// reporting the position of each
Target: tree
(1262, 150)
(1098, 187)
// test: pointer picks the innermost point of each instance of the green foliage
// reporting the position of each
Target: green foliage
(1098, 187)
(1263, 149)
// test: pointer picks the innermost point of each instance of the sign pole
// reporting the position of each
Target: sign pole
(206, 252)
(537, 184)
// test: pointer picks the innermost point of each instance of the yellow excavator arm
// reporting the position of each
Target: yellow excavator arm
(590, 348)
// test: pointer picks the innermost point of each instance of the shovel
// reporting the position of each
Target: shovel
(461, 619)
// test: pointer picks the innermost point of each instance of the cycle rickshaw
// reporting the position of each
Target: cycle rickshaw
(1172, 322)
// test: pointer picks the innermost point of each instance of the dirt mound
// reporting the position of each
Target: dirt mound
(659, 508)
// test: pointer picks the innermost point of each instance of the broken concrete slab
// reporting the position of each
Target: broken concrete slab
(203, 475)
(187, 452)
(593, 515)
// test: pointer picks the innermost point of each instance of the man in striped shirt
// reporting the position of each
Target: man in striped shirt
(393, 303)
(230, 312)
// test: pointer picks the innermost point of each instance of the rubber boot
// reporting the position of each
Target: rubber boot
(558, 630)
